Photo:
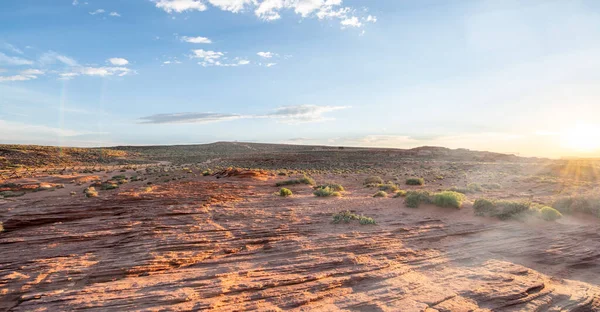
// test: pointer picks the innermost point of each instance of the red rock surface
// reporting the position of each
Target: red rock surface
(230, 244)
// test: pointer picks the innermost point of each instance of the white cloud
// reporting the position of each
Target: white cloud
(207, 56)
(179, 6)
(117, 61)
(266, 54)
(52, 57)
(195, 39)
(270, 10)
(99, 11)
(13, 60)
(75, 2)
(270, 64)
(22, 132)
(234, 6)
(351, 22)
(115, 14)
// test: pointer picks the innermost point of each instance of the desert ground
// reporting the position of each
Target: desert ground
(208, 227)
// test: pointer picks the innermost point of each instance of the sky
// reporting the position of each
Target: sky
(506, 76)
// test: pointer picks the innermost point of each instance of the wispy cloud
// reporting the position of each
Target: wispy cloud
(52, 57)
(99, 11)
(287, 114)
(12, 48)
(97, 71)
(115, 14)
(13, 60)
(187, 118)
(195, 39)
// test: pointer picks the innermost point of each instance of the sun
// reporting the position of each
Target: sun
(582, 137)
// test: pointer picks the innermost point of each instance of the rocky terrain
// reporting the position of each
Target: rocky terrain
(198, 237)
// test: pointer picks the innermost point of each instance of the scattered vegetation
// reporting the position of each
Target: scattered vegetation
(380, 194)
(491, 186)
(207, 172)
(347, 217)
(283, 192)
(415, 181)
(334, 186)
(109, 186)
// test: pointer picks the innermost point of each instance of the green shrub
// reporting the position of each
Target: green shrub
(285, 192)
(491, 186)
(484, 207)
(366, 220)
(400, 193)
(415, 181)
(90, 192)
(207, 172)
(373, 180)
(380, 194)
(388, 187)
(326, 192)
(511, 209)
(549, 213)
(584, 203)
(109, 186)
(119, 177)
(347, 217)
(7, 194)
(303, 180)
(471, 188)
(448, 199)
(333, 186)
(415, 198)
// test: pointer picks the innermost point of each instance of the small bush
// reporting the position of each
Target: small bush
(285, 192)
(491, 186)
(303, 180)
(109, 186)
(1, 227)
(373, 180)
(549, 213)
(448, 199)
(366, 220)
(90, 192)
(7, 194)
(347, 217)
(400, 193)
(119, 177)
(484, 207)
(415, 181)
(471, 188)
(333, 186)
(388, 187)
(584, 203)
(326, 192)
(414, 199)
(207, 172)
(380, 194)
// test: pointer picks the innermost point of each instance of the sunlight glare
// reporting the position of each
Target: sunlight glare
(582, 137)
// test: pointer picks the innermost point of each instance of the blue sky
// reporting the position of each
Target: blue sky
(506, 76)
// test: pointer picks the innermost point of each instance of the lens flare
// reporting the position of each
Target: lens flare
(582, 137)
